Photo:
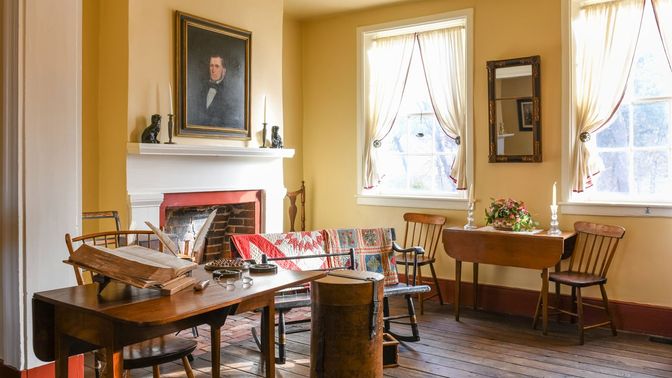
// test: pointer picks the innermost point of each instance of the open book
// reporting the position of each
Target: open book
(199, 241)
(135, 265)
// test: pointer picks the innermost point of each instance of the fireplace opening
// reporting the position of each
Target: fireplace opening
(238, 212)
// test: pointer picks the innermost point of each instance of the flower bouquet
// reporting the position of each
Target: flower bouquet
(510, 215)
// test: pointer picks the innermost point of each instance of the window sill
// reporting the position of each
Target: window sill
(617, 209)
(413, 202)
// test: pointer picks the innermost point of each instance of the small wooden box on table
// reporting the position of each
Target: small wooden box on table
(523, 250)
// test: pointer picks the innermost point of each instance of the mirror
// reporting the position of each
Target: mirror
(514, 110)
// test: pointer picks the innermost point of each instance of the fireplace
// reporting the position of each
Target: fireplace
(238, 212)
(162, 176)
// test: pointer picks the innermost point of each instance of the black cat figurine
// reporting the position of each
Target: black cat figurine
(276, 139)
(151, 133)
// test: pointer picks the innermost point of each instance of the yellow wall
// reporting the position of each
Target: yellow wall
(135, 63)
(292, 99)
(502, 29)
(90, 161)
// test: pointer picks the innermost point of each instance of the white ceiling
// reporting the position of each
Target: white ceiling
(314, 8)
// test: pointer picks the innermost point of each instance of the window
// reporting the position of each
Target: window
(414, 155)
(634, 148)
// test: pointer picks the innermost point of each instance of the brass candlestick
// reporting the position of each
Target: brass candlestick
(170, 130)
(263, 136)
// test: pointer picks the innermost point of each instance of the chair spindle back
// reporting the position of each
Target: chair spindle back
(595, 247)
(112, 240)
(423, 230)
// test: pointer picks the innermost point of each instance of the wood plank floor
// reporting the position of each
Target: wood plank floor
(480, 345)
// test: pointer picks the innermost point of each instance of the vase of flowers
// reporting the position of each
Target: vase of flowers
(509, 214)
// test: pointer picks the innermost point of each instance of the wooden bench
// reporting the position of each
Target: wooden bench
(335, 249)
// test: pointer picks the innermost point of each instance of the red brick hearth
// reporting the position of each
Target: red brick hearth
(238, 212)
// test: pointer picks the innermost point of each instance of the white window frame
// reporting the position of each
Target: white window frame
(364, 36)
(568, 204)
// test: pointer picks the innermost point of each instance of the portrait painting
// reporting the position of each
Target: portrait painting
(213, 78)
(525, 114)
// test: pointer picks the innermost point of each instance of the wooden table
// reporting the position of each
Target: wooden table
(523, 250)
(74, 320)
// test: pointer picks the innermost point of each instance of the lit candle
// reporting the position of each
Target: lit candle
(264, 109)
(555, 198)
(471, 193)
(170, 98)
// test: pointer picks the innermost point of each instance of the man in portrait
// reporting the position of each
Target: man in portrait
(214, 105)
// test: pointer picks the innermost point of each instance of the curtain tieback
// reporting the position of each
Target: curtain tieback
(584, 136)
(458, 140)
(377, 143)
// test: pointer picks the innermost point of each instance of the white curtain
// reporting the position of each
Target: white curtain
(605, 37)
(444, 62)
(389, 59)
(663, 11)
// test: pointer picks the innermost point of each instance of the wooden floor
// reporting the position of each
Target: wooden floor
(480, 345)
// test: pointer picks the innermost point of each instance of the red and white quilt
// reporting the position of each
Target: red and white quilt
(284, 245)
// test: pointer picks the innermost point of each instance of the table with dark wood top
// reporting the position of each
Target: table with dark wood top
(76, 319)
(522, 250)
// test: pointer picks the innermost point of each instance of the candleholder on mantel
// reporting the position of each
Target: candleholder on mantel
(470, 217)
(555, 229)
(263, 136)
(170, 130)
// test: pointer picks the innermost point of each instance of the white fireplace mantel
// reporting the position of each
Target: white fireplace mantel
(206, 150)
(155, 169)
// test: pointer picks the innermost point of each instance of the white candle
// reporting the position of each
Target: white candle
(170, 98)
(471, 193)
(264, 109)
(555, 199)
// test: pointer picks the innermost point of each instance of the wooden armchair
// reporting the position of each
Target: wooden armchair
(424, 230)
(592, 256)
(151, 352)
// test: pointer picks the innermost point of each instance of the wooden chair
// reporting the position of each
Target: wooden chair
(423, 230)
(151, 352)
(592, 256)
(112, 214)
(293, 209)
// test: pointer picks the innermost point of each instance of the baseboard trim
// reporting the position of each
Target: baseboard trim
(75, 370)
(628, 316)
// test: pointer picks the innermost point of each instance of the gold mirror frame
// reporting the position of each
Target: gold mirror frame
(494, 157)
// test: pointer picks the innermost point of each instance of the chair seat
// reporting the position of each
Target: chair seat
(290, 301)
(403, 289)
(157, 351)
(401, 260)
(577, 279)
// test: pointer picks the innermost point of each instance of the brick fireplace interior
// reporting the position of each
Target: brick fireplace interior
(238, 212)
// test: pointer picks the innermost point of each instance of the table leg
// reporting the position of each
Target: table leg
(114, 363)
(458, 280)
(268, 339)
(475, 286)
(62, 349)
(215, 345)
(544, 299)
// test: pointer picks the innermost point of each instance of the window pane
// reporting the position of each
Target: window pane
(420, 172)
(651, 172)
(442, 180)
(395, 171)
(650, 122)
(650, 71)
(614, 177)
(615, 134)
(420, 139)
(397, 139)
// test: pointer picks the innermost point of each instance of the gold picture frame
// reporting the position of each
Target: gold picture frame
(213, 79)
